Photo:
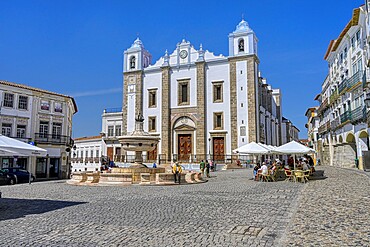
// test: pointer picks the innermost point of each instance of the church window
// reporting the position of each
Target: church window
(241, 45)
(118, 130)
(218, 120)
(217, 92)
(132, 62)
(183, 92)
(152, 98)
(110, 131)
(152, 124)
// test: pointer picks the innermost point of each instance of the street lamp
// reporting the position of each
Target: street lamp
(209, 147)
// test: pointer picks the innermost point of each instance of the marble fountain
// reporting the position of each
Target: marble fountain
(138, 141)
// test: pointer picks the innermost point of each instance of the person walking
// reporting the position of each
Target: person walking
(207, 168)
(177, 170)
(202, 166)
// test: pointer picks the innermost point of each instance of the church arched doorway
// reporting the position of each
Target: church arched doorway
(184, 134)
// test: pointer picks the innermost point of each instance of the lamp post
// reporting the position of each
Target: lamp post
(209, 147)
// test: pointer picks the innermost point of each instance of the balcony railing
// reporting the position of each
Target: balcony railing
(356, 78)
(347, 116)
(342, 86)
(335, 123)
(53, 139)
(324, 128)
(323, 105)
(22, 139)
(359, 114)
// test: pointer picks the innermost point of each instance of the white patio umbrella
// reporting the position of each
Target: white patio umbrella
(14, 147)
(252, 148)
(294, 148)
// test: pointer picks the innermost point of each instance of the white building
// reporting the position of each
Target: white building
(200, 103)
(41, 117)
(86, 155)
(343, 130)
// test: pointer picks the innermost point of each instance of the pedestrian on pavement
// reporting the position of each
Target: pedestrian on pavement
(177, 170)
(207, 168)
(211, 165)
(202, 166)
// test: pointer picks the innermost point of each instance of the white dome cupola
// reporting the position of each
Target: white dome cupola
(243, 40)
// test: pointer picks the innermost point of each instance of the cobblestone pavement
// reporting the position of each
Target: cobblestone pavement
(228, 210)
(332, 212)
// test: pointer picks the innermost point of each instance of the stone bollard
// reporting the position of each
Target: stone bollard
(93, 177)
(79, 177)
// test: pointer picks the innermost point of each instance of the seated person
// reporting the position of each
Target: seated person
(264, 169)
(255, 170)
(305, 166)
(273, 168)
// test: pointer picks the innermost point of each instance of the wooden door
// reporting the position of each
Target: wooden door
(152, 155)
(218, 148)
(110, 153)
(184, 147)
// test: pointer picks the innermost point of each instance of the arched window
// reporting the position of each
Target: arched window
(132, 62)
(241, 45)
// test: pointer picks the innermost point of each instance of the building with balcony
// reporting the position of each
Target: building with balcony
(289, 131)
(40, 117)
(343, 135)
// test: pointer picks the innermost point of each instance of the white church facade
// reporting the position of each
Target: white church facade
(198, 103)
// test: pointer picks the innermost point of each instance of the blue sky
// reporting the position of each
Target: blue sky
(76, 47)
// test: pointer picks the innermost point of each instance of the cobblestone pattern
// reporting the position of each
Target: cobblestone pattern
(228, 210)
(332, 212)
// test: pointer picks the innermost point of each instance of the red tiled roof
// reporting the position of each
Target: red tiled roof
(86, 138)
(333, 45)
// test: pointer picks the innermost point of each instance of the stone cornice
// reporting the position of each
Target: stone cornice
(243, 58)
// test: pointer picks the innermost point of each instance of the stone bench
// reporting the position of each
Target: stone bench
(116, 178)
(168, 178)
(198, 177)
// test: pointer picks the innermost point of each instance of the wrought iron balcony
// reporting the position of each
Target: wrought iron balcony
(356, 78)
(324, 128)
(53, 139)
(335, 123)
(347, 116)
(358, 114)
